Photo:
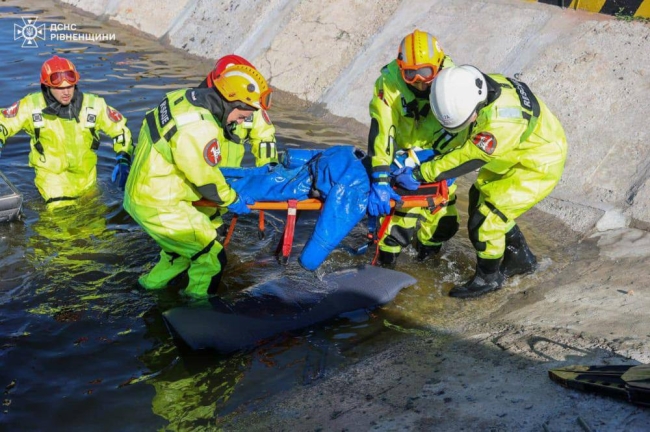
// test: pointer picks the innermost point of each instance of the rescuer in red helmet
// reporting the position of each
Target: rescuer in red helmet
(64, 125)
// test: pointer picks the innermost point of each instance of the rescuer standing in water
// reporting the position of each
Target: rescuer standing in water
(64, 124)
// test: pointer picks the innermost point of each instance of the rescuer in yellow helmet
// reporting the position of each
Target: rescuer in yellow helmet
(400, 120)
(176, 162)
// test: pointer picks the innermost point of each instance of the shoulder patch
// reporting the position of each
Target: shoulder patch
(12, 111)
(114, 115)
(266, 117)
(485, 141)
(212, 153)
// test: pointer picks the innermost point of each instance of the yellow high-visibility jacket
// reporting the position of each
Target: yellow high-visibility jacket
(401, 120)
(179, 149)
(516, 142)
(63, 150)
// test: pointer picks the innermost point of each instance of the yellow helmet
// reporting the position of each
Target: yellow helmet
(245, 84)
(419, 57)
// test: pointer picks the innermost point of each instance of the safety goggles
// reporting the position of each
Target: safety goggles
(58, 78)
(421, 72)
(265, 99)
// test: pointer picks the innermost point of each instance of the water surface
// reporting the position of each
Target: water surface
(83, 348)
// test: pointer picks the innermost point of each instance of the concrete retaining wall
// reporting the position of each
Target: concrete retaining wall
(591, 69)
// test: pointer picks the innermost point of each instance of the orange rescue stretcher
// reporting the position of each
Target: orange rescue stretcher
(434, 196)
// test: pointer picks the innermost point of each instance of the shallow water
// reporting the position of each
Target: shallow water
(82, 346)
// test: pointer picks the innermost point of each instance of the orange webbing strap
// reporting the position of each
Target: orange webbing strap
(260, 226)
(286, 242)
(231, 229)
(433, 196)
(380, 234)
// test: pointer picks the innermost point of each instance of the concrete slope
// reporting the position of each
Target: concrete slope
(591, 69)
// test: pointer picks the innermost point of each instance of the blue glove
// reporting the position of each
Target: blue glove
(405, 178)
(380, 195)
(121, 170)
(239, 206)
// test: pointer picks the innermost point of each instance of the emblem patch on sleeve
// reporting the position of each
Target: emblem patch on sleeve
(212, 153)
(12, 111)
(485, 141)
(114, 115)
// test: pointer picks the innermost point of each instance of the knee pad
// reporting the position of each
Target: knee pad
(446, 229)
(399, 236)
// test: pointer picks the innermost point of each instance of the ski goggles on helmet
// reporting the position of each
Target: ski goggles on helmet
(58, 78)
(265, 99)
(423, 72)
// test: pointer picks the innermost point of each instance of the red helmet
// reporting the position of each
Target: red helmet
(223, 63)
(57, 71)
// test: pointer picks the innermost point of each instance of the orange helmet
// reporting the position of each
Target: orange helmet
(245, 84)
(223, 63)
(419, 57)
(59, 72)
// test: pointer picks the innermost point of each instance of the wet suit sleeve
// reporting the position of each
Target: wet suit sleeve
(16, 118)
(196, 154)
(113, 123)
(381, 138)
(484, 145)
(460, 161)
(262, 139)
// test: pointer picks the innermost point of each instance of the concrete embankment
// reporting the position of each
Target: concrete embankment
(592, 70)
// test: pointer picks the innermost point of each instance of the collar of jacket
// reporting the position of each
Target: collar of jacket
(220, 108)
(70, 111)
(493, 88)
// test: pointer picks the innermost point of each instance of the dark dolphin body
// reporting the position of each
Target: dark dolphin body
(228, 327)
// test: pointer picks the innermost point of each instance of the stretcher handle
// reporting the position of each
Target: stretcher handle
(311, 204)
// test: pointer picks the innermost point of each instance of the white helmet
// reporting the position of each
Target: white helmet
(456, 94)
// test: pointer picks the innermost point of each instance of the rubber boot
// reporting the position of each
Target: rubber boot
(425, 251)
(487, 278)
(517, 259)
(168, 267)
(205, 272)
(387, 259)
